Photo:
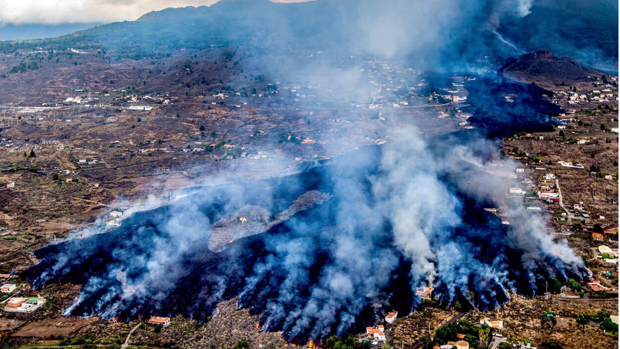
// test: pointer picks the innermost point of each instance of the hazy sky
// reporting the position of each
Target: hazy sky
(86, 11)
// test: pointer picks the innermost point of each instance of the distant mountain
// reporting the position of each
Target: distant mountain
(40, 31)
(585, 30)
(240, 22)
(542, 66)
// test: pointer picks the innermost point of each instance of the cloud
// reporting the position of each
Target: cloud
(83, 11)
(87, 11)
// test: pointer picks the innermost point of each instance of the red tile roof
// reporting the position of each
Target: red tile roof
(596, 287)
(158, 320)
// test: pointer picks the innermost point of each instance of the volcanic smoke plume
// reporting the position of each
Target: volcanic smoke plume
(398, 216)
(390, 218)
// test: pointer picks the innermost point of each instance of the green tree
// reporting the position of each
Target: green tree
(574, 284)
(562, 134)
(32, 154)
(583, 319)
(202, 128)
(242, 344)
(609, 325)
(447, 333)
(555, 286)
(458, 306)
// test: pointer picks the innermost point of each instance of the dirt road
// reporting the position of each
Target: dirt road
(126, 344)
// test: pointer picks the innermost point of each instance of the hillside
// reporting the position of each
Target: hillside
(586, 30)
(543, 67)
(353, 27)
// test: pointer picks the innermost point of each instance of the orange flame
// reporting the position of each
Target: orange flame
(311, 344)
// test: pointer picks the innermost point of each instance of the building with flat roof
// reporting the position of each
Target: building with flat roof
(24, 305)
(8, 288)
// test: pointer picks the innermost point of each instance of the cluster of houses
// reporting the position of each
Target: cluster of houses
(604, 95)
(19, 304)
(377, 334)
(115, 222)
(547, 188)
(24, 304)
(606, 92)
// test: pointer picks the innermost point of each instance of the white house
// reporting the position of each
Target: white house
(8, 288)
(547, 195)
(380, 336)
(140, 107)
(377, 333)
(425, 292)
(391, 317)
(113, 223)
(462, 345)
(162, 321)
(496, 324)
(116, 214)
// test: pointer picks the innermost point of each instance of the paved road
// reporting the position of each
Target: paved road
(452, 320)
(585, 300)
(569, 216)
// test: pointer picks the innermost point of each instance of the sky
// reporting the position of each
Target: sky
(19, 12)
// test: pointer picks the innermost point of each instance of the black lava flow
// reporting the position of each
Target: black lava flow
(209, 277)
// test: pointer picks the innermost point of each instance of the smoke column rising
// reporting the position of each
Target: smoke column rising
(412, 207)
(403, 205)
